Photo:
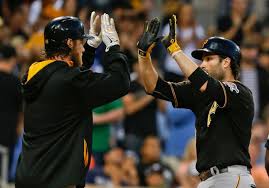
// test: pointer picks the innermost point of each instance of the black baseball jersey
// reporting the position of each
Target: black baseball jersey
(58, 123)
(224, 114)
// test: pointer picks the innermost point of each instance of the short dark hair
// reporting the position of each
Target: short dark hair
(234, 66)
(59, 48)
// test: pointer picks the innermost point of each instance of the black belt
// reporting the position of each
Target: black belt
(212, 172)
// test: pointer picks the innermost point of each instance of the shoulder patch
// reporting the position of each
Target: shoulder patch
(232, 86)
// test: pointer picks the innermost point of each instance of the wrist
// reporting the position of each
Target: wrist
(110, 45)
(176, 53)
(143, 56)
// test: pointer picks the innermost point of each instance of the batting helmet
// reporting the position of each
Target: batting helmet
(62, 28)
(219, 46)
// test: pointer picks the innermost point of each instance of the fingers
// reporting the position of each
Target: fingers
(106, 21)
(96, 20)
(172, 24)
(92, 18)
(112, 23)
(146, 25)
(156, 27)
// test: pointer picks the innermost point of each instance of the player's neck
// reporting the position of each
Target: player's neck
(229, 78)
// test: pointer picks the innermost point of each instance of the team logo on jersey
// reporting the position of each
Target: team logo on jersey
(212, 111)
(232, 86)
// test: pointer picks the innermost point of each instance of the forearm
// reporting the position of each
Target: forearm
(231, 32)
(109, 117)
(148, 73)
(88, 56)
(186, 65)
(137, 105)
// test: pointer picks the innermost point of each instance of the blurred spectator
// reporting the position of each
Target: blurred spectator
(158, 176)
(103, 117)
(265, 117)
(11, 100)
(257, 151)
(190, 35)
(238, 23)
(170, 7)
(187, 174)
(114, 172)
(151, 154)
(181, 126)
(264, 59)
(141, 111)
(253, 76)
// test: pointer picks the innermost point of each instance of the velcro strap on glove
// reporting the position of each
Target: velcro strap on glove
(174, 47)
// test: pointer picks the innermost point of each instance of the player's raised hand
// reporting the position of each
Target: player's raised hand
(94, 31)
(149, 37)
(109, 34)
(170, 41)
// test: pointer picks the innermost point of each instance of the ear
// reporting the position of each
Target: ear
(227, 62)
(70, 43)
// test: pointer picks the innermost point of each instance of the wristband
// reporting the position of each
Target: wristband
(198, 78)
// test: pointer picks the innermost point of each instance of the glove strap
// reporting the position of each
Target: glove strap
(142, 53)
(174, 47)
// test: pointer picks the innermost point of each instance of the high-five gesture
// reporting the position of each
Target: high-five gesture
(109, 34)
(94, 31)
(170, 41)
(149, 37)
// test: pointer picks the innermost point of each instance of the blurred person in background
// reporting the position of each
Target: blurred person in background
(239, 22)
(157, 176)
(181, 128)
(254, 76)
(186, 173)
(103, 118)
(264, 59)
(118, 170)
(257, 153)
(11, 116)
(140, 113)
(150, 154)
(190, 33)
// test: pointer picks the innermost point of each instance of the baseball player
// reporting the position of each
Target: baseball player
(223, 106)
(58, 93)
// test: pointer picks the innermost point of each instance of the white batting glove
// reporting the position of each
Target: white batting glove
(96, 39)
(109, 34)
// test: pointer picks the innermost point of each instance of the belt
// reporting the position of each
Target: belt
(215, 171)
(211, 172)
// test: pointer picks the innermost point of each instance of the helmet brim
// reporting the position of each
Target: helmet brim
(86, 36)
(198, 54)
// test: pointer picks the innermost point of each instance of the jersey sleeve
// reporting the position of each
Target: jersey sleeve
(227, 94)
(180, 94)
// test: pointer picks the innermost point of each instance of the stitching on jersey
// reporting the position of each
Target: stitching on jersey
(225, 96)
(174, 94)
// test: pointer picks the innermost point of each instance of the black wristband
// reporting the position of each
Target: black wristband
(198, 78)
